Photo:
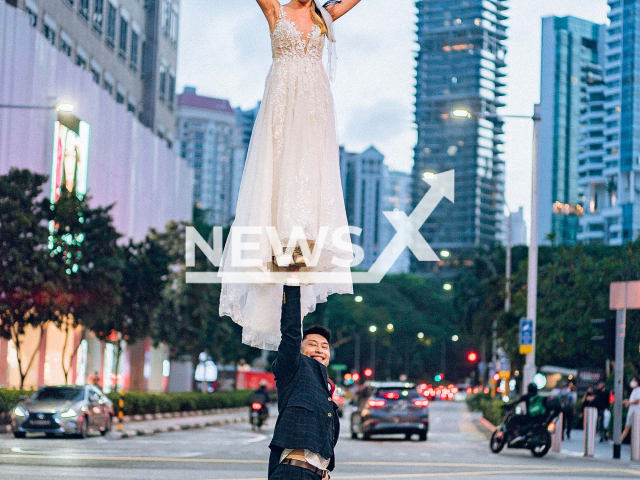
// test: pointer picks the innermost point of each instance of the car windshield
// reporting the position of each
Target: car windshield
(64, 394)
(397, 393)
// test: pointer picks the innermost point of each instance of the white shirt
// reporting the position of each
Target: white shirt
(314, 459)
(635, 395)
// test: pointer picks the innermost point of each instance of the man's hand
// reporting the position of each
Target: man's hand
(326, 476)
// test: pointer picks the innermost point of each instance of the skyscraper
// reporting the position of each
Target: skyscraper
(613, 195)
(212, 139)
(460, 64)
(571, 48)
(363, 187)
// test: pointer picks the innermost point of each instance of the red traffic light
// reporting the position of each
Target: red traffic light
(356, 377)
(472, 357)
(496, 377)
(368, 372)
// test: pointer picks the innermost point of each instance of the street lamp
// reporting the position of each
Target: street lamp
(447, 286)
(429, 175)
(390, 327)
(420, 335)
(59, 107)
(445, 253)
(532, 277)
(358, 299)
(373, 329)
(455, 338)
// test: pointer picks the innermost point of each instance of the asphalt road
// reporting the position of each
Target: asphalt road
(455, 449)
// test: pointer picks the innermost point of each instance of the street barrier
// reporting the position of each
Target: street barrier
(635, 437)
(590, 424)
(557, 434)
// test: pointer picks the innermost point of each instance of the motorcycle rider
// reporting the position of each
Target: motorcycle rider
(261, 395)
(518, 421)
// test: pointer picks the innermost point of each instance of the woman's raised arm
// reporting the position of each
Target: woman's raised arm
(270, 8)
(339, 8)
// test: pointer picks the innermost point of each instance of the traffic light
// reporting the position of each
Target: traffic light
(605, 335)
(496, 377)
(355, 377)
(368, 372)
(472, 357)
(439, 377)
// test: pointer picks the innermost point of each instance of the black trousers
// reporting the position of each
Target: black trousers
(289, 472)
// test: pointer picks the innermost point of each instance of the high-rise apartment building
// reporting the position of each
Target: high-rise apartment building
(460, 65)
(518, 228)
(612, 184)
(571, 49)
(212, 136)
(396, 197)
(129, 46)
(363, 187)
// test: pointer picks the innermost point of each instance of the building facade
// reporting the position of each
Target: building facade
(213, 138)
(613, 184)
(396, 197)
(130, 47)
(118, 161)
(518, 228)
(460, 65)
(363, 188)
(571, 50)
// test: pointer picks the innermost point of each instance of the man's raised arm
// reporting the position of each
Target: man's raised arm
(291, 328)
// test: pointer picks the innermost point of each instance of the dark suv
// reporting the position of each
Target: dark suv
(390, 408)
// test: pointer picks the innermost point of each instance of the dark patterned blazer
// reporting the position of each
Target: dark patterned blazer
(307, 414)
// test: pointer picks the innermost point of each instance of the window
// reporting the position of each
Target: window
(83, 9)
(172, 88)
(98, 16)
(65, 46)
(174, 28)
(81, 62)
(131, 107)
(69, 2)
(119, 97)
(163, 81)
(95, 72)
(111, 25)
(166, 18)
(108, 86)
(33, 16)
(124, 32)
(49, 33)
(134, 50)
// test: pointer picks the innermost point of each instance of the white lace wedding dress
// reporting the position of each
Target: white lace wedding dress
(291, 179)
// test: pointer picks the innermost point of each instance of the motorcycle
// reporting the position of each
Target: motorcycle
(257, 415)
(534, 435)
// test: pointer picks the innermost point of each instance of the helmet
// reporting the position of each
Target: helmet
(532, 388)
(263, 383)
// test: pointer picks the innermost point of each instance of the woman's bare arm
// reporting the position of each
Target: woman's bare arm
(339, 9)
(270, 8)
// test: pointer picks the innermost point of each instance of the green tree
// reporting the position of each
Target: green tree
(28, 293)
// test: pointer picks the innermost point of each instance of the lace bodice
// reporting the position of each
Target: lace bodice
(288, 42)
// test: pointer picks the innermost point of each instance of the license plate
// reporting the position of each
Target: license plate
(40, 423)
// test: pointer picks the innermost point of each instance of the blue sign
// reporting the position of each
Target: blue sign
(526, 331)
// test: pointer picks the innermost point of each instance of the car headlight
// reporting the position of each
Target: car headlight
(19, 412)
(70, 413)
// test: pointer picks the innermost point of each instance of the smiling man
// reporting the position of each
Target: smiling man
(307, 427)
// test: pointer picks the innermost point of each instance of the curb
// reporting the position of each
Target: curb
(173, 428)
(164, 416)
(485, 425)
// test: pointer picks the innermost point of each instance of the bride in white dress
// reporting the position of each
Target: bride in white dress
(291, 179)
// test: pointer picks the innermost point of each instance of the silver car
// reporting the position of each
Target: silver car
(66, 410)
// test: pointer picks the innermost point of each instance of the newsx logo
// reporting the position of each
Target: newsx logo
(247, 270)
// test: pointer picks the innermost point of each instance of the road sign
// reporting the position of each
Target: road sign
(338, 367)
(526, 336)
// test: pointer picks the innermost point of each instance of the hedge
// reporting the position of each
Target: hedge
(136, 403)
(491, 409)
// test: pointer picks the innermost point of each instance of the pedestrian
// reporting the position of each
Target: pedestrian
(634, 406)
(568, 397)
(602, 403)
(588, 400)
(307, 427)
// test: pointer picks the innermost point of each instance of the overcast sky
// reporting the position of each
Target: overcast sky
(225, 52)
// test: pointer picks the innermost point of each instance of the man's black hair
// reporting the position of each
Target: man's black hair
(317, 330)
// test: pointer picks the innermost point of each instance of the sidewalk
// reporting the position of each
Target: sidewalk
(604, 451)
(139, 425)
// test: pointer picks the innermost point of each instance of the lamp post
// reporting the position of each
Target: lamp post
(532, 277)
(59, 107)
(373, 329)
